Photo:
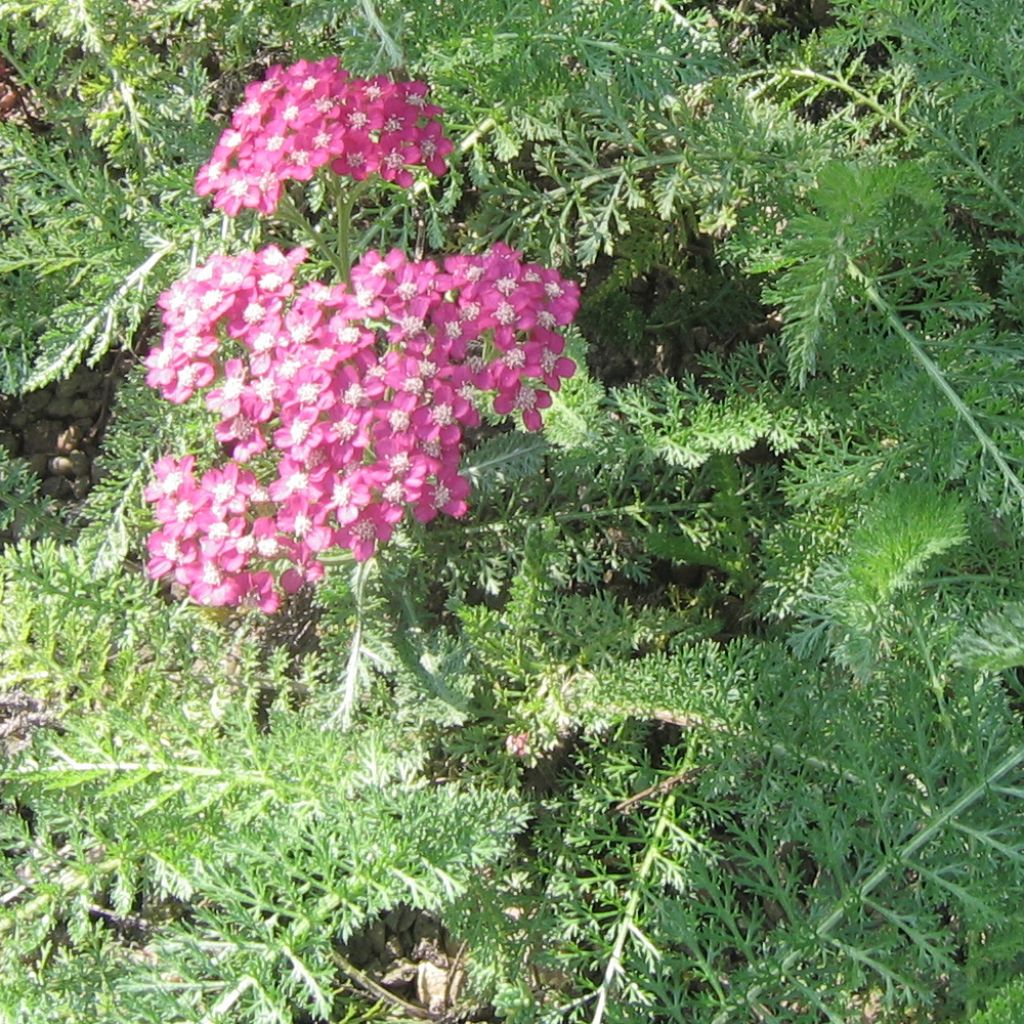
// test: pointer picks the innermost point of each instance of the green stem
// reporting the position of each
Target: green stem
(343, 212)
(387, 41)
(292, 215)
(638, 512)
(343, 716)
(1013, 482)
(627, 926)
(935, 681)
(851, 90)
(344, 202)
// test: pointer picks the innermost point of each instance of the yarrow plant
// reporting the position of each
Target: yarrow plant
(342, 406)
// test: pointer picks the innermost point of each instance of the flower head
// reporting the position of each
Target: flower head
(312, 114)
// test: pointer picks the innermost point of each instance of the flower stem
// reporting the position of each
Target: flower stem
(344, 202)
(292, 215)
(1012, 481)
(342, 717)
(387, 41)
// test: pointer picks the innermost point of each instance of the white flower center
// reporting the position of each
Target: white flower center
(442, 414)
(505, 314)
(223, 492)
(354, 394)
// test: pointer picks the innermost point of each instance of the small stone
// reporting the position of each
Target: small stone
(427, 949)
(399, 974)
(358, 951)
(97, 472)
(79, 463)
(37, 463)
(83, 408)
(426, 928)
(37, 400)
(87, 381)
(66, 388)
(41, 436)
(20, 419)
(55, 487)
(69, 439)
(393, 948)
(406, 918)
(61, 465)
(10, 442)
(81, 487)
(432, 987)
(59, 408)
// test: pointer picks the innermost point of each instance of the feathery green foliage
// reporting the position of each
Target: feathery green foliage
(709, 709)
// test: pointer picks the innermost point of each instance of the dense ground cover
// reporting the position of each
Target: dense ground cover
(706, 708)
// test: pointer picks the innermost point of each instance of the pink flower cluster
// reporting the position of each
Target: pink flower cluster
(348, 402)
(313, 113)
(340, 407)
